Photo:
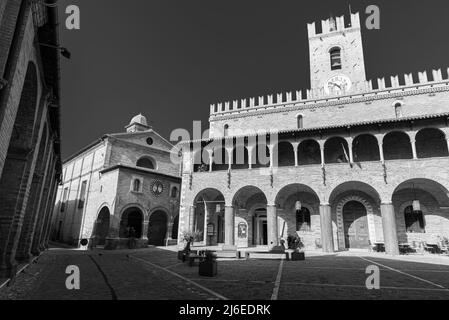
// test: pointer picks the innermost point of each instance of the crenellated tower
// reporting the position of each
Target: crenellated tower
(337, 64)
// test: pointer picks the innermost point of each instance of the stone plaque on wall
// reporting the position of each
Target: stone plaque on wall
(242, 231)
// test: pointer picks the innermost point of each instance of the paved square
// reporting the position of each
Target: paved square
(157, 274)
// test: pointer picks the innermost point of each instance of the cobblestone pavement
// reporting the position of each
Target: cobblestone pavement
(157, 274)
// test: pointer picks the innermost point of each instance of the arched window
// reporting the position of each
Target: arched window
(174, 192)
(398, 109)
(335, 55)
(414, 220)
(146, 163)
(136, 185)
(303, 220)
(226, 130)
(300, 122)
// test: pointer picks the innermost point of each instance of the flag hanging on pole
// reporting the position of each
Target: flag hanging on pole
(346, 154)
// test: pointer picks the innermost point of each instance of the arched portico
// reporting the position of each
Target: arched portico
(101, 228)
(256, 221)
(207, 217)
(132, 223)
(356, 215)
(422, 213)
(157, 227)
(298, 209)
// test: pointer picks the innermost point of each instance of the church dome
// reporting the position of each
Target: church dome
(139, 119)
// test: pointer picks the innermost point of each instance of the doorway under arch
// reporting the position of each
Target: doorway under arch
(355, 222)
(102, 226)
(131, 224)
(157, 228)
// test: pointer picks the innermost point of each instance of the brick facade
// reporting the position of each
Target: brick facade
(365, 152)
(109, 169)
(29, 130)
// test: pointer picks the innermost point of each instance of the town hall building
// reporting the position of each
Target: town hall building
(347, 164)
(120, 187)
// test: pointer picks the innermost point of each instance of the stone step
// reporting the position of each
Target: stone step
(228, 254)
(266, 255)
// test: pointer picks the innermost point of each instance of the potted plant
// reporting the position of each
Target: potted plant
(208, 267)
(298, 250)
(188, 237)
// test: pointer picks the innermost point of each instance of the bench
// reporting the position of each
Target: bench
(432, 248)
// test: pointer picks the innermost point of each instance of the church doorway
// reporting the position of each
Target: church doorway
(157, 228)
(355, 223)
(260, 235)
(131, 224)
(102, 226)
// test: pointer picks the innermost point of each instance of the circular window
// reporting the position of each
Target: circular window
(157, 188)
(150, 141)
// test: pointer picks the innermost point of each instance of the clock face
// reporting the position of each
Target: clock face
(338, 85)
(157, 188)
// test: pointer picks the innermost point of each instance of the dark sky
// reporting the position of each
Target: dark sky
(169, 60)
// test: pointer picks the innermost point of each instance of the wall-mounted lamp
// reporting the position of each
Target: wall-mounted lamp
(64, 52)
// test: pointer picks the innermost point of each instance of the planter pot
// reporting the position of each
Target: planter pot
(180, 255)
(298, 256)
(208, 269)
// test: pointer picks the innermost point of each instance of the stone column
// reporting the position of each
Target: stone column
(211, 159)
(229, 229)
(351, 153)
(323, 162)
(273, 157)
(295, 149)
(447, 143)
(389, 229)
(327, 235)
(380, 142)
(230, 158)
(412, 136)
(250, 157)
(415, 154)
(272, 220)
(206, 222)
(192, 218)
(145, 229)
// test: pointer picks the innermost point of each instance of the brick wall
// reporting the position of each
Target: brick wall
(341, 113)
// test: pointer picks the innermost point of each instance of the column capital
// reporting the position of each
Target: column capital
(385, 203)
(325, 204)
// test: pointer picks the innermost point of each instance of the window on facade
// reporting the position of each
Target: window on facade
(303, 220)
(174, 192)
(300, 122)
(335, 54)
(414, 220)
(64, 199)
(226, 130)
(82, 199)
(398, 109)
(136, 185)
(146, 163)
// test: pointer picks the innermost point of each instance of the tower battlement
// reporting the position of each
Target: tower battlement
(333, 25)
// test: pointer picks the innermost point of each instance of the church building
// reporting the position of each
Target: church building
(348, 164)
(122, 186)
